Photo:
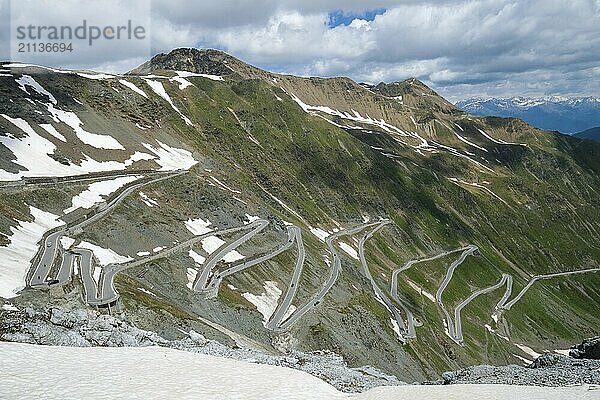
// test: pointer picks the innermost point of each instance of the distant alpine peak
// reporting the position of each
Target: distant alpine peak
(526, 102)
(555, 113)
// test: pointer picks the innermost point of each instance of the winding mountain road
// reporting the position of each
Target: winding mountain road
(448, 323)
(201, 283)
(379, 294)
(504, 305)
(213, 286)
(457, 334)
(39, 271)
(408, 326)
(102, 292)
(109, 294)
(335, 271)
(283, 308)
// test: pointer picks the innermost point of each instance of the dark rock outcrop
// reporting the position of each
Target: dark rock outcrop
(589, 348)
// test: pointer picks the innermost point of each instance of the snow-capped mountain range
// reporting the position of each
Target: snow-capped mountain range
(560, 113)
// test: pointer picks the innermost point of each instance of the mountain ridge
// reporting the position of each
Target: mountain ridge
(592, 134)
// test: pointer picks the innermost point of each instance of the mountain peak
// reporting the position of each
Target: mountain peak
(204, 61)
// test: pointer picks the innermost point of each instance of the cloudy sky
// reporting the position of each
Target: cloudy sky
(460, 48)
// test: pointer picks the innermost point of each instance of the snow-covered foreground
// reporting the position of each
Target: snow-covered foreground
(45, 372)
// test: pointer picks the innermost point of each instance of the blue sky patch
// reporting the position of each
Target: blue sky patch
(340, 17)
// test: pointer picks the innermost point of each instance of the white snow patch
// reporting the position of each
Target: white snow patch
(147, 200)
(230, 286)
(47, 365)
(564, 352)
(97, 192)
(458, 181)
(183, 83)
(66, 242)
(348, 250)
(157, 249)
(523, 359)
(32, 152)
(491, 330)
(499, 141)
(159, 89)
(95, 76)
(236, 379)
(9, 307)
(320, 233)
(138, 156)
(198, 259)
(251, 218)
(52, 131)
(396, 328)
(191, 276)
(420, 290)
(143, 366)
(146, 291)
(224, 186)
(187, 74)
(93, 139)
(528, 350)
(240, 200)
(198, 226)
(466, 141)
(143, 253)
(105, 256)
(23, 245)
(171, 158)
(291, 309)
(253, 139)
(281, 203)
(27, 80)
(233, 256)
(266, 302)
(133, 87)
(211, 244)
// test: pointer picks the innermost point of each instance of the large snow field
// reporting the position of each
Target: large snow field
(47, 372)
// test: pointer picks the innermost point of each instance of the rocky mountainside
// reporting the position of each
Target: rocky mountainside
(555, 113)
(296, 214)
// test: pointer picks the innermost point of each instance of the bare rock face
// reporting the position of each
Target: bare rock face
(547, 370)
(63, 327)
(589, 348)
(204, 61)
(546, 360)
